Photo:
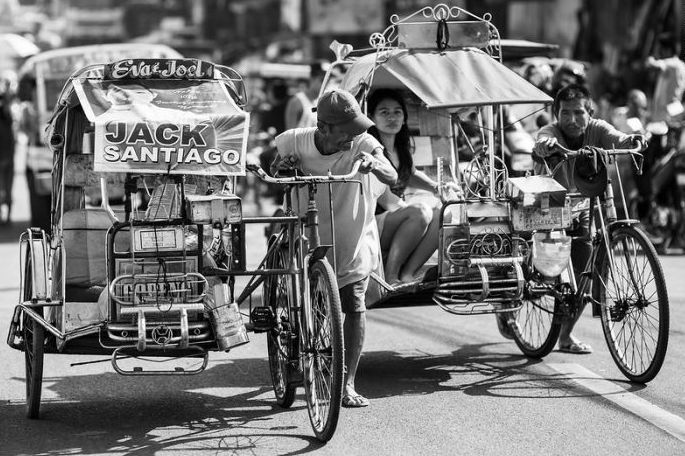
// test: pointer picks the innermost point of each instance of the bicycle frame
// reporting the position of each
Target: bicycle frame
(306, 247)
(602, 217)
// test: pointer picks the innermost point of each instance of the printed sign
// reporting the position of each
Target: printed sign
(160, 126)
(158, 68)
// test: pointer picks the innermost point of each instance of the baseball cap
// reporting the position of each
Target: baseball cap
(339, 107)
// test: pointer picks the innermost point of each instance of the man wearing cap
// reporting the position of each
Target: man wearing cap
(574, 129)
(338, 140)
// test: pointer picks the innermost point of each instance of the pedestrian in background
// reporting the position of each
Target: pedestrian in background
(298, 112)
(670, 84)
(6, 150)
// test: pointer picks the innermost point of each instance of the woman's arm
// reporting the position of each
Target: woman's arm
(420, 180)
(389, 201)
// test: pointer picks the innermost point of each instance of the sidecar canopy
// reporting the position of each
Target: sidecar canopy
(459, 78)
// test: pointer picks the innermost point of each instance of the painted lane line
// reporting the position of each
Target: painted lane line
(667, 421)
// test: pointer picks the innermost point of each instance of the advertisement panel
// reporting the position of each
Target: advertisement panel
(165, 127)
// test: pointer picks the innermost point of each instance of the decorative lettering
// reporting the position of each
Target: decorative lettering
(162, 68)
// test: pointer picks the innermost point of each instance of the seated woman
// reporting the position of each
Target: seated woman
(408, 231)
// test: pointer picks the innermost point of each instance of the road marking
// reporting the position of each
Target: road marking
(667, 421)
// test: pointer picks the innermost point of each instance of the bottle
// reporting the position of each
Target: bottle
(609, 203)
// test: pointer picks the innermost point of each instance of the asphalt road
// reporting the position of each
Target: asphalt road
(438, 384)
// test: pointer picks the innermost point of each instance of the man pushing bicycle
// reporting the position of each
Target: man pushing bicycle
(574, 129)
(333, 146)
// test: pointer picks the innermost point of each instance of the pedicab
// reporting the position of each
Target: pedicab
(152, 281)
(502, 246)
(447, 64)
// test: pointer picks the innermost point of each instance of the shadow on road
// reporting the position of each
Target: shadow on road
(386, 374)
(108, 413)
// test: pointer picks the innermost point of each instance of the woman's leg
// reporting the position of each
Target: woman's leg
(427, 246)
(401, 230)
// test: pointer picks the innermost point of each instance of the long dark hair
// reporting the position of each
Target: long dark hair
(402, 140)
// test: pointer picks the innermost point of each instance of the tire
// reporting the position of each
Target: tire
(634, 304)
(536, 325)
(282, 340)
(34, 344)
(323, 359)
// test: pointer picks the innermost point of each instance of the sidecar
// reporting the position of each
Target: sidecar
(501, 245)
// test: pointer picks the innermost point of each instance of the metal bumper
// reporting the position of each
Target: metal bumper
(480, 291)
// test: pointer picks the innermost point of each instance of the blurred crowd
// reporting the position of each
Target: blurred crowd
(283, 98)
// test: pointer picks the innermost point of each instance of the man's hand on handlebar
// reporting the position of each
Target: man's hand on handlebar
(368, 162)
(284, 164)
(639, 141)
(377, 164)
(545, 147)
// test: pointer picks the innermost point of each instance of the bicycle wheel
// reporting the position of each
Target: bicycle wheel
(323, 358)
(282, 339)
(634, 304)
(536, 325)
(34, 344)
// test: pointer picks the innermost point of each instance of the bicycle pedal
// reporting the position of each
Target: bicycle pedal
(262, 318)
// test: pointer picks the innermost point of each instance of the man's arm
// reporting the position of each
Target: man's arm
(546, 141)
(376, 163)
(607, 136)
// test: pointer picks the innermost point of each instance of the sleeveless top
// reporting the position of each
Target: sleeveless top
(308, 118)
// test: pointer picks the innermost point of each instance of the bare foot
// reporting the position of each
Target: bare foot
(392, 280)
(407, 278)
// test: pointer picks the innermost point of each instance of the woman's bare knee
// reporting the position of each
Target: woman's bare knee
(421, 212)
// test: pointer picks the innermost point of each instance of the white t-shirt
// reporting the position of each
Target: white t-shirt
(357, 247)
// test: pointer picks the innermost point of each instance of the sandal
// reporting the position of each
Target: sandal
(576, 348)
(354, 400)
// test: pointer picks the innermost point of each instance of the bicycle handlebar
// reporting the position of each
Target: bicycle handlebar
(635, 151)
(256, 169)
(635, 154)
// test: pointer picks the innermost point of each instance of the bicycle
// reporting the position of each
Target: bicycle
(623, 280)
(302, 311)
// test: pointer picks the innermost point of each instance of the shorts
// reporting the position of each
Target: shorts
(353, 296)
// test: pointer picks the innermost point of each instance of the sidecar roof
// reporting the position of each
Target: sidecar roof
(448, 79)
